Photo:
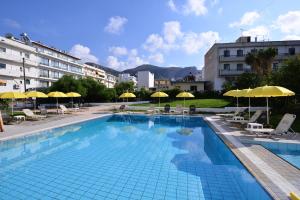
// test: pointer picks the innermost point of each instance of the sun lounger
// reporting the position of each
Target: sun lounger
(30, 115)
(236, 113)
(64, 109)
(177, 110)
(283, 127)
(239, 119)
(152, 110)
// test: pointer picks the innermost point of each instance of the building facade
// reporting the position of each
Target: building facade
(145, 79)
(125, 77)
(226, 61)
(95, 73)
(191, 86)
(162, 84)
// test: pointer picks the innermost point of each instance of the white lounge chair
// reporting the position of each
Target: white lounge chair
(64, 109)
(177, 110)
(236, 113)
(239, 119)
(29, 114)
(283, 127)
(152, 110)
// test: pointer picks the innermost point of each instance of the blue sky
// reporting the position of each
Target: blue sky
(125, 33)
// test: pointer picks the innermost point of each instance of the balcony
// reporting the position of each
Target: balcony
(232, 58)
(225, 72)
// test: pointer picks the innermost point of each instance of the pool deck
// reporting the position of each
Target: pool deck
(277, 176)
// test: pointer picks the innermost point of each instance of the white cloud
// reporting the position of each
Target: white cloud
(84, 53)
(11, 23)
(116, 24)
(195, 7)
(291, 37)
(118, 51)
(132, 60)
(172, 5)
(214, 2)
(157, 58)
(259, 31)
(194, 42)
(247, 19)
(220, 11)
(289, 23)
(172, 31)
(153, 43)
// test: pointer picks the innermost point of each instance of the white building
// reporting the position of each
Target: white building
(43, 65)
(94, 72)
(127, 78)
(226, 61)
(145, 79)
(110, 80)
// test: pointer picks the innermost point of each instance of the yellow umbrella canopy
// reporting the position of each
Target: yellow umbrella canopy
(57, 95)
(127, 95)
(185, 95)
(159, 95)
(234, 93)
(36, 94)
(73, 94)
(270, 91)
(12, 96)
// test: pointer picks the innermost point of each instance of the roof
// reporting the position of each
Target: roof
(191, 82)
(54, 49)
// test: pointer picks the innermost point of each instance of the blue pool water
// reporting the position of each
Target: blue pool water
(288, 152)
(125, 157)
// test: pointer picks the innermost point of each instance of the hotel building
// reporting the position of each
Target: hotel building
(226, 61)
(145, 79)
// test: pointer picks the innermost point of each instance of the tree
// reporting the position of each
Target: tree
(288, 75)
(94, 89)
(248, 80)
(261, 61)
(124, 87)
(69, 84)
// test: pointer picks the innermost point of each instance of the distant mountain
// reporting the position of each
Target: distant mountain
(164, 72)
(159, 72)
(107, 69)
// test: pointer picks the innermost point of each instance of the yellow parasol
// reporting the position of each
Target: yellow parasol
(12, 96)
(234, 93)
(57, 95)
(270, 91)
(35, 94)
(159, 95)
(72, 95)
(185, 95)
(127, 95)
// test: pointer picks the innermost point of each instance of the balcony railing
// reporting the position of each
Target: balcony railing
(225, 72)
(231, 58)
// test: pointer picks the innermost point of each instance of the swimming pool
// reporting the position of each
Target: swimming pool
(125, 157)
(287, 151)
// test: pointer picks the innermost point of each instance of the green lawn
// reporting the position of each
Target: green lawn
(199, 103)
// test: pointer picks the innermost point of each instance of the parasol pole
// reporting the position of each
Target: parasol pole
(267, 110)
(249, 108)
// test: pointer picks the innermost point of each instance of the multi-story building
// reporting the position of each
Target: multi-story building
(162, 84)
(226, 61)
(191, 86)
(110, 80)
(43, 64)
(145, 79)
(94, 72)
(125, 77)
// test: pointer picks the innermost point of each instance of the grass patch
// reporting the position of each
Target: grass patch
(199, 103)
(274, 120)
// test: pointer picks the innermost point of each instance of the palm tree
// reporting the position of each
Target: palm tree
(261, 60)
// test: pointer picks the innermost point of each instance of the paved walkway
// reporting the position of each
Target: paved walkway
(277, 176)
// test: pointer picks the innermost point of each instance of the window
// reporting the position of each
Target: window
(2, 49)
(55, 75)
(44, 73)
(253, 50)
(239, 67)
(27, 55)
(63, 66)
(78, 69)
(292, 51)
(54, 63)
(226, 67)
(27, 81)
(226, 53)
(2, 66)
(239, 53)
(276, 51)
(193, 88)
(44, 84)
(61, 75)
(44, 61)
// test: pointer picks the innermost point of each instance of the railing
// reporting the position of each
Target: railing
(232, 58)
(224, 72)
